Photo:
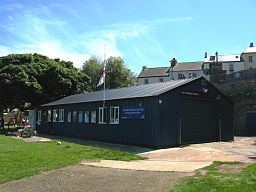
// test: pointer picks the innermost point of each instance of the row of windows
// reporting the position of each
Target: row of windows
(83, 116)
(182, 76)
(160, 80)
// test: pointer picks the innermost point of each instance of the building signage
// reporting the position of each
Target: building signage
(189, 93)
(133, 112)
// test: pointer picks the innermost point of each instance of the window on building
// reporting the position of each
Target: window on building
(212, 58)
(250, 59)
(86, 116)
(102, 115)
(205, 66)
(55, 115)
(180, 76)
(114, 115)
(145, 81)
(80, 117)
(161, 80)
(231, 68)
(74, 116)
(39, 115)
(194, 74)
(69, 117)
(49, 116)
(93, 117)
(61, 115)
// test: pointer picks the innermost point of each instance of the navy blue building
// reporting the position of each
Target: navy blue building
(154, 115)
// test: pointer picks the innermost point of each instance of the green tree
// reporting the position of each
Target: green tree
(33, 79)
(118, 75)
(93, 67)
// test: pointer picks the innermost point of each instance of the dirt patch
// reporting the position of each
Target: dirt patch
(232, 169)
(32, 139)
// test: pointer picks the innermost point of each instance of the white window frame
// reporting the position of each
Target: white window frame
(69, 117)
(101, 114)
(61, 115)
(39, 115)
(87, 116)
(94, 116)
(113, 120)
(49, 116)
(54, 115)
(80, 116)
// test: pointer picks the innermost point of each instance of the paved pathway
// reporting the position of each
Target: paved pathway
(95, 179)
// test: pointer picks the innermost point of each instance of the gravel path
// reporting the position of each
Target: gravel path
(86, 178)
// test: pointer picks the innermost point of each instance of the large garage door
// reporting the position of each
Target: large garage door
(198, 121)
(251, 123)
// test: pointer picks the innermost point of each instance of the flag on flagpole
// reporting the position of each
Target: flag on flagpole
(103, 75)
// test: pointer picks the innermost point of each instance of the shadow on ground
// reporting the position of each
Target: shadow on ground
(126, 148)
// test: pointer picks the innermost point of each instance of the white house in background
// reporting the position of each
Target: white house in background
(185, 70)
(181, 70)
(153, 75)
(249, 57)
(230, 63)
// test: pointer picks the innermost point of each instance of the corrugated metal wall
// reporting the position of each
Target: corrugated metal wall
(128, 131)
(170, 112)
(161, 126)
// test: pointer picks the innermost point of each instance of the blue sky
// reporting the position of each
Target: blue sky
(143, 32)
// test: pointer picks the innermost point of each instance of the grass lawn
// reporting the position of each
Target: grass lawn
(20, 159)
(221, 177)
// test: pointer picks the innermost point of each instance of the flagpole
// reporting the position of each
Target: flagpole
(104, 93)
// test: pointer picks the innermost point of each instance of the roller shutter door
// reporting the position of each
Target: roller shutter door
(198, 121)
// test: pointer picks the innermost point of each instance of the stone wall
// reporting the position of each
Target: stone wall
(241, 89)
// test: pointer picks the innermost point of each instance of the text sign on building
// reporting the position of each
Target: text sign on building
(133, 112)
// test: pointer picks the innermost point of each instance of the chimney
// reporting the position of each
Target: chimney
(251, 44)
(144, 67)
(205, 55)
(216, 56)
(173, 62)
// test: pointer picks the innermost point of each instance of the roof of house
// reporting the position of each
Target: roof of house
(224, 58)
(148, 90)
(188, 66)
(250, 50)
(154, 72)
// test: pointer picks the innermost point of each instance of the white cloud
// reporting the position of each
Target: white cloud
(33, 35)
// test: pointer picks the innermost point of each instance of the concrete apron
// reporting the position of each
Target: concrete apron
(186, 159)
(149, 165)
